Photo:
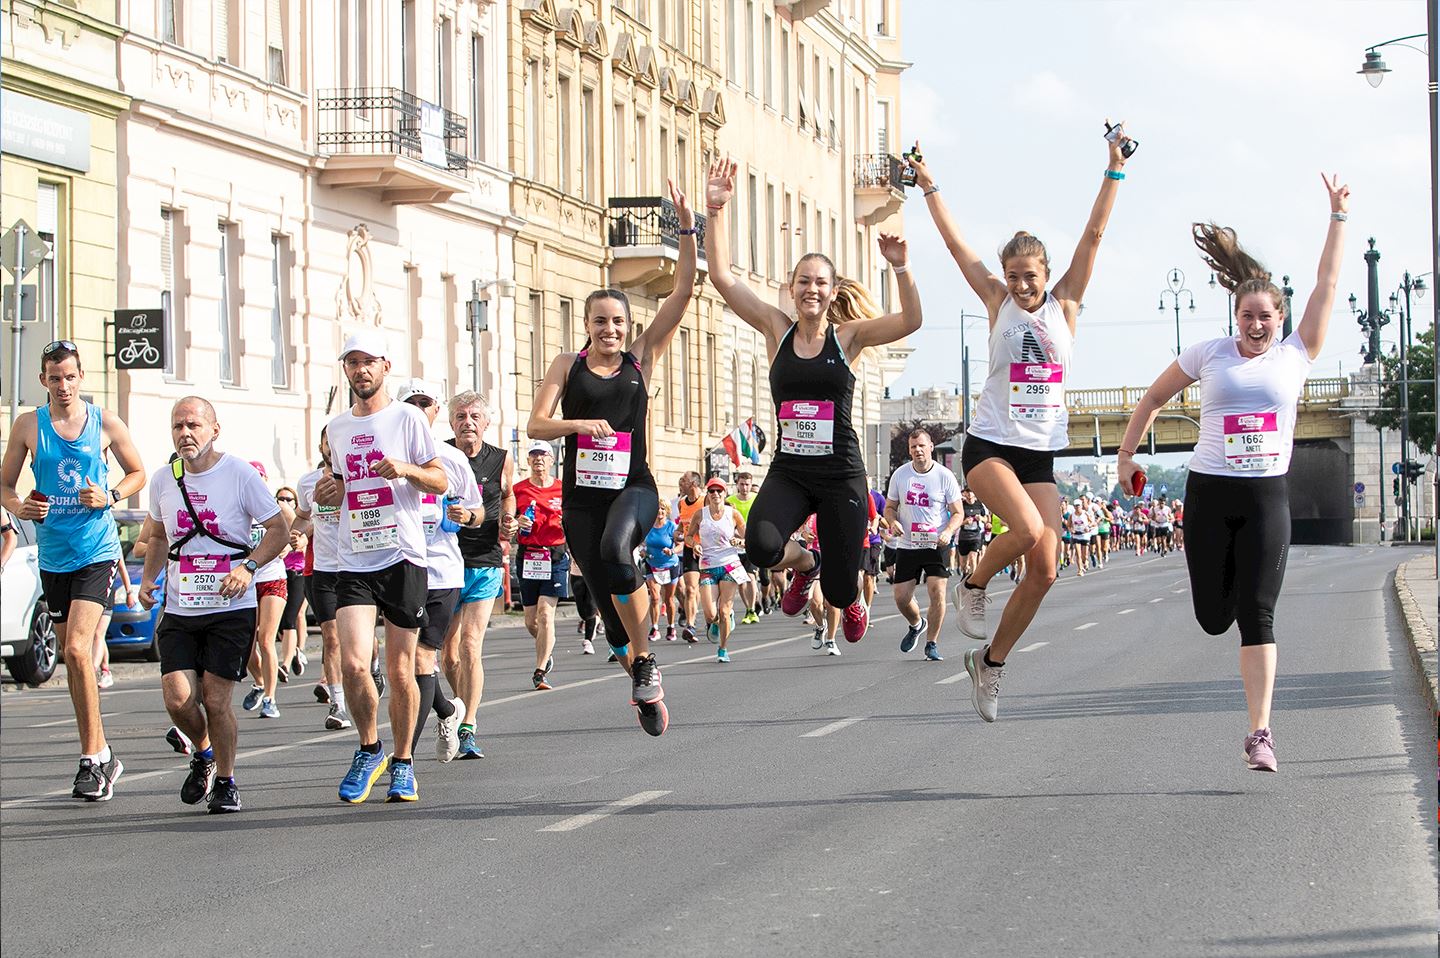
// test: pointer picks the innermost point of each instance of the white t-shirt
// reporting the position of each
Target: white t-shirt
(716, 550)
(227, 497)
(324, 520)
(1247, 406)
(1023, 401)
(923, 500)
(379, 519)
(443, 561)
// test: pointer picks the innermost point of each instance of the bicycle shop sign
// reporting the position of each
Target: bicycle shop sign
(139, 339)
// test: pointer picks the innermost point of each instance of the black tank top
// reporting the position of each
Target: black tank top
(620, 400)
(480, 547)
(812, 403)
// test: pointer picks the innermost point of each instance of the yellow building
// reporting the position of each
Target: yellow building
(610, 98)
(58, 175)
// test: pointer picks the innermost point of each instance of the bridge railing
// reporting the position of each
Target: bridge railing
(1123, 399)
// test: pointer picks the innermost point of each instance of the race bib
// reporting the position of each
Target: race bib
(198, 585)
(372, 519)
(602, 463)
(1037, 392)
(661, 576)
(807, 428)
(1252, 441)
(923, 535)
(535, 564)
(735, 572)
(430, 511)
(330, 515)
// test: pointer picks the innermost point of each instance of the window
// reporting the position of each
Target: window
(665, 155)
(442, 62)
(279, 309)
(567, 325)
(477, 96)
(169, 257)
(642, 152)
(587, 146)
(784, 72)
(835, 107)
(355, 42)
(883, 26)
(681, 27)
(406, 364)
(617, 150)
(642, 10)
(712, 399)
(732, 49)
(47, 225)
(537, 338)
(221, 35)
(275, 24)
(662, 12)
(706, 37)
(750, 47)
(788, 225)
(800, 224)
(882, 127)
(735, 250)
(683, 357)
(835, 248)
(407, 46)
(770, 244)
(753, 200)
(682, 162)
(885, 285)
(224, 320)
(562, 132)
(534, 118)
(170, 21)
(767, 41)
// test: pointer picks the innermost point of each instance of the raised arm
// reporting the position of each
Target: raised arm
(652, 343)
(1070, 290)
(856, 335)
(1161, 391)
(755, 312)
(989, 287)
(1316, 321)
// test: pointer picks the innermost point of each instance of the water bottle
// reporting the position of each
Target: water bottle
(529, 514)
(446, 523)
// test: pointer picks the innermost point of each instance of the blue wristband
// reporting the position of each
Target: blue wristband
(692, 231)
(1114, 175)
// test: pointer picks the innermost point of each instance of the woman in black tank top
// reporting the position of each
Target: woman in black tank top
(818, 467)
(609, 499)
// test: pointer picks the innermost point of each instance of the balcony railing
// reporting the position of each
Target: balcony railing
(878, 170)
(647, 221)
(387, 120)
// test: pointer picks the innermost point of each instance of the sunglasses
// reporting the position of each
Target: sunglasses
(58, 345)
(421, 402)
(290, 499)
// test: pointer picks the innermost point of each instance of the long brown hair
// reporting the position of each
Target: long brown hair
(1236, 270)
(1024, 244)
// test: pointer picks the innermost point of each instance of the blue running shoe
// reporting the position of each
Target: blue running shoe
(251, 702)
(469, 748)
(932, 652)
(722, 656)
(713, 632)
(402, 783)
(365, 770)
(268, 708)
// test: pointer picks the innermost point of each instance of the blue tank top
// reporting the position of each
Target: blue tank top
(72, 535)
(657, 540)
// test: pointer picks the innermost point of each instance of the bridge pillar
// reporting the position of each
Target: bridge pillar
(1367, 467)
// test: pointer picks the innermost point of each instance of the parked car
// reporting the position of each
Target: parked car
(132, 630)
(27, 636)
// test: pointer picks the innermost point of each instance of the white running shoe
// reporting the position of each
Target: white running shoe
(831, 648)
(447, 732)
(817, 641)
(984, 682)
(971, 603)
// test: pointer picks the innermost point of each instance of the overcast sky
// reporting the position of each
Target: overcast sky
(1238, 106)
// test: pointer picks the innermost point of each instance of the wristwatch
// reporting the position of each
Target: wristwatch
(249, 566)
(114, 496)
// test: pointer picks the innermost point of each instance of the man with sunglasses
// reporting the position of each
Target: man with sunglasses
(67, 440)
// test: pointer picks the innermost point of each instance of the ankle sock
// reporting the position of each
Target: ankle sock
(373, 748)
(208, 753)
(989, 664)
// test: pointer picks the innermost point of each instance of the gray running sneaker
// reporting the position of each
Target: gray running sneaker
(337, 719)
(1260, 751)
(251, 702)
(985, 683)
(831, 648)
(268, 708)
(447, 731)
(818, 639)
(912, 636)
(645, 681)
(971, 603)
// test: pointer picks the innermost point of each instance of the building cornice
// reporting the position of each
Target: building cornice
(41, 12)
(66, 91)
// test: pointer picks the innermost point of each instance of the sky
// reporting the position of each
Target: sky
(1238, 107)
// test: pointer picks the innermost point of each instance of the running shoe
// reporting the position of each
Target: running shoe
(298, 662)
(932, 652)
(322, 692)
(670, 633)
(282, 674)
(402, 783)
(712, 632)
(251, 702)
(365, 769)
(654, 634)
(645, 681)
(831, 648)
(985, 683)
(797, 595)
(688, 634)
(337, 719)
(818, 639)
(469, 748)
(378, 675)
(1260, 751)
(654, 717)
(750, 618)
(541, 685)
(722, 656)
(447, 732)
(198, 782)
(550, 665)
(95, 781)
(971, 603)
(224, 797)
(106, 679)
(268, 708)
(613, 658)
(912, 636)
(856, 621)
(178, 740)
(587, 647)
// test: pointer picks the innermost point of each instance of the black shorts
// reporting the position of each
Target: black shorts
(320, 590)
(440, 605)
(1030, 465)
(689, 561)
(217, 642)
(870, 561)
(557, 586)
(398, 591)
(89, 583)
(887, 556)
(966, 546)
(910, 563)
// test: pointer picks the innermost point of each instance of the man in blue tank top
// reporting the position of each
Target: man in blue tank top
(67, 440)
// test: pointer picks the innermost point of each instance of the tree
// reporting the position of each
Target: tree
(1420, 363)
(900, 439)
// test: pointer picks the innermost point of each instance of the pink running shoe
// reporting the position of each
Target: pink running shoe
(856, 621)
(797, 595)
(1260, 751)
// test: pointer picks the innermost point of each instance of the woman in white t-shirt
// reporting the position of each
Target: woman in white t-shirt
(1236, 499)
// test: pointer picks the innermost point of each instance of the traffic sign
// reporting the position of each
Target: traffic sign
(139, 339)
(1395, 468)
(1359, 488)
(36, 249)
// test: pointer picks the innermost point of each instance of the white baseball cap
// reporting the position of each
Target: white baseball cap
(541, 446)
(417, 387)
(371, 342)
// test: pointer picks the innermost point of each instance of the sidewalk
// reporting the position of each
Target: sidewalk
(1415, 587)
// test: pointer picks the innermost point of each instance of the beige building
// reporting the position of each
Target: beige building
(610, 99)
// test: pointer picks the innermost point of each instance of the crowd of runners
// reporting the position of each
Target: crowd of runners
(425, 537)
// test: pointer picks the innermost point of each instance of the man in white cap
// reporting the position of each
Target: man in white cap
(382, 460)
(443, 518)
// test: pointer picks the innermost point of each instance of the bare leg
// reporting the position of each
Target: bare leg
(468, 678)
(727, 590)
(400, 680)
(330, 653)
(356, 625)
(267, 621)
(217, 693)
(181, 692)
(544, 631)
(936, 587)
(905, 601)
(76, 636)
(1257, 671)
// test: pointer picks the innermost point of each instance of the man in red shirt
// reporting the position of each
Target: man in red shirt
(542, 563)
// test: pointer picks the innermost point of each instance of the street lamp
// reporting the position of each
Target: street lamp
(965, 371)
(1175, 286)
(1229, 306)
(477, 318)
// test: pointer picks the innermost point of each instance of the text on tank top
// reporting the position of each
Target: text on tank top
(1022, 403)
(73, 535)
(813, 401)
(596, 468)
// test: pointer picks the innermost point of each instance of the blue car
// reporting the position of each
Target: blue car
(132, 630)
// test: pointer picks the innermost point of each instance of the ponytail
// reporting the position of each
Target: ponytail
(1236, 270)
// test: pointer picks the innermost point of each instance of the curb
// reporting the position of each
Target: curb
(1422, 640)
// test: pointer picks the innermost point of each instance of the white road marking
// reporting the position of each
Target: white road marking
(1159, 599)
(1124, 611)
(1087, 625)
(604, 811)
(1177, 591)
(834, 726)
(957, 677)
(67, 721)
(1035, 645)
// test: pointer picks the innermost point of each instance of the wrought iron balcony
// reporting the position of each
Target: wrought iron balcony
(879, 194)
(385, 138)
(643, 233)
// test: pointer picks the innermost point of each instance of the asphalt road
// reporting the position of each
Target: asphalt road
(798, 805)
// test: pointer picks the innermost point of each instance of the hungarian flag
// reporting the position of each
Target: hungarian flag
(741, 444)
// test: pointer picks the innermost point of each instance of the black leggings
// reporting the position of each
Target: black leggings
(603, 539)
(1236, 543)
(783, 503)
(294, 595)
(580, 592)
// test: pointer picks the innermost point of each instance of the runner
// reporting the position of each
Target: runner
(494, 472)
(874, 549)
(685, 507)
(743, 498)
(292, 634)
(542, 563)
(202, 507)
(720, 530)
(1237, 491)
(822, 616)
(818, 467)
(1021, 421)
(67, 440)
(970, 539)
(1080, 534)
(610, 498)
(382, 460)
(1162, 526)
(924, 501)
(270, 600)
(662, 567)
(322, 524)
(585, 609)
(442, 517)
